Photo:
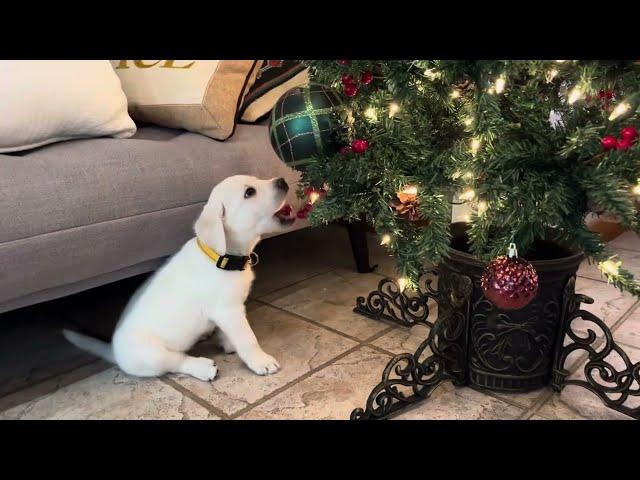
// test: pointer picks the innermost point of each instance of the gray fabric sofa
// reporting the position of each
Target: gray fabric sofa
(78, 214)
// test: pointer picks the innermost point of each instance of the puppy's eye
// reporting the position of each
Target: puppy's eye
(249, 192)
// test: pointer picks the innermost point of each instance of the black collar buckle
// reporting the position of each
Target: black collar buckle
(232, 262)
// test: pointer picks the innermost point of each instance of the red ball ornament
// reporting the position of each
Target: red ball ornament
(624, 144)
(359, 145)
(343, 62)
(609, 142)
(629, 134)
(509, 282)
(347, 79)
(351, 90)
(366, 77)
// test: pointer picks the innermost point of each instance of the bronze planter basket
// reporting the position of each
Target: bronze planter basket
(512, 350)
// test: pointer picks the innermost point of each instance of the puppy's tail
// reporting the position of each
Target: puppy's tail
(90, 344)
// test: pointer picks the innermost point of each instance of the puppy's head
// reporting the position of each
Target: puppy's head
(244, 207)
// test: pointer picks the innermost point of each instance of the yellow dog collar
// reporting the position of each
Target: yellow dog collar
(226, 262)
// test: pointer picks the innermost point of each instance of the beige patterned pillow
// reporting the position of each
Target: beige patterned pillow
(201, 96)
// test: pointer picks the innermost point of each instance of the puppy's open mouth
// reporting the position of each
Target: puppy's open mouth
(285, 214)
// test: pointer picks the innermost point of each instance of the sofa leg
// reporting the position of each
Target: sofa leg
(358, 238)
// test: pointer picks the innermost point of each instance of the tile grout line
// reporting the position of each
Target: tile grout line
(496, 395)
(289, 285)
(309, 320)
(537, 405)
(189, 394)
(360, 344)
(53, 378)
(533, 410)
(294, 382)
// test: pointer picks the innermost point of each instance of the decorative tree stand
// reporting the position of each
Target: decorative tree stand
(472, 342)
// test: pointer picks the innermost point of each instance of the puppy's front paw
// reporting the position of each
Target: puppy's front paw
(263, 363)
(202, 368)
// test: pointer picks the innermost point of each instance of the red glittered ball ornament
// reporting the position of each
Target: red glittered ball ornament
(509, 282)
(629, 134)
(359, 146)
(609, 142)
(351, 90)
(366, 77)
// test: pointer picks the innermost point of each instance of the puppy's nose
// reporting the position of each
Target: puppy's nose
(281, 184)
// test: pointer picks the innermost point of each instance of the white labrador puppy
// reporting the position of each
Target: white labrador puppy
(192, 294)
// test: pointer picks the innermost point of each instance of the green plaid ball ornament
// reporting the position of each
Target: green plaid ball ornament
(301, 126)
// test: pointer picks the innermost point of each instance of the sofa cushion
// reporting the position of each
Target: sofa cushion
(83, 182)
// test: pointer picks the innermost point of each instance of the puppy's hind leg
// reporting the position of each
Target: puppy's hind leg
(146, 357)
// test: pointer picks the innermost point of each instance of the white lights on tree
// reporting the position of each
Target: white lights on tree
(468, 195)
(620, 109)
(575, 95)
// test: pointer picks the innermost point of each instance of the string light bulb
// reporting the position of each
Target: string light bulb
(575, 95)
(551, 74)
(371, 114)
(500, 83)
(410, 190)
(313, 197)
(482, 207)
(385, 240)
(468, 175)
(610, 268)
(455, 93)
(468, 195)
(620, 109)
(475, 145)
(431, 74)
(468, 121)
(636, 190)
(393, 108)
(491, 90)
(402, 283)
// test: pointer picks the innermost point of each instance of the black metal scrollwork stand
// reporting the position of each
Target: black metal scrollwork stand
(443, 356)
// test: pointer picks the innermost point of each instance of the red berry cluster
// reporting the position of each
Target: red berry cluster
(304, 211)
(628, 136)
(357, 146)
(350, 85)
(606, 94)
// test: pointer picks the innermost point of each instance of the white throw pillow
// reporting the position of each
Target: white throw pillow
(46, 101)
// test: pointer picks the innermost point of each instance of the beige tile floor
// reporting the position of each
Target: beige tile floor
(300, 309)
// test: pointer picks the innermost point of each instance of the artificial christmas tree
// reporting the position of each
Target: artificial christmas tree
(529, 143)
(532, 146)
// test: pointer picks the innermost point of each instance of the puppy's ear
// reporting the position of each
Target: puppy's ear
(209, 227)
